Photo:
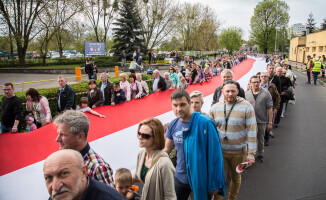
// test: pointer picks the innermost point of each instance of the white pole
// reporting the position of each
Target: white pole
(276, 27)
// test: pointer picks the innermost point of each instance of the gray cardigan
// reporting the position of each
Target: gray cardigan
(261, 105)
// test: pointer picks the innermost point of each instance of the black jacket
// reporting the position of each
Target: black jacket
(67, 99)
(99, 191)
(161, 84)
(217, 94)
(277, 82)
(108, 93)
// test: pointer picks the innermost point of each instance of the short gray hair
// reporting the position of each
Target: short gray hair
(104, 74)
(156, 71)
(61, 76)
(227, 71)
(77, 121)
(166, 73)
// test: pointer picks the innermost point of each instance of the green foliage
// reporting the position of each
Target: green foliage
(267, 16)
(311, 23)
(231, 39)
(106, 61)
(323, 25)
(128, 33)
(38, 62)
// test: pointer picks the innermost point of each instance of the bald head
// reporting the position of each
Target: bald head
(73, 156)
(65, 174)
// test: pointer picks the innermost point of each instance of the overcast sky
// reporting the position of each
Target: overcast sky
(238, 12)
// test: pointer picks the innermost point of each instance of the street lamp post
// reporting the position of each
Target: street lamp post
(276, 27)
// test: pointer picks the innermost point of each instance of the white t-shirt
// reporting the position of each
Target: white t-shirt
(87, 109)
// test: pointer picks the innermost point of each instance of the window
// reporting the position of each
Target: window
(307, 49)
(313, 49)
(320, 49)
(300, 51)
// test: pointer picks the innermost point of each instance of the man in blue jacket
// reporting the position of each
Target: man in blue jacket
(199, 156)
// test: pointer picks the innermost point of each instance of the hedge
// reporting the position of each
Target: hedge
(80, 89)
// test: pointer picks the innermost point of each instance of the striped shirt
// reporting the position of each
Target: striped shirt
(241, 128)
(98, 169)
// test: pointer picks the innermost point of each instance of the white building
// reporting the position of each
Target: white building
(298, 29)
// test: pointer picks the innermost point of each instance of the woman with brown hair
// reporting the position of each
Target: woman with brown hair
(95, 95)
(154, 168)
(39, 105)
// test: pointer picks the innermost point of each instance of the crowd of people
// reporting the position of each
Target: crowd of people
(190, 157)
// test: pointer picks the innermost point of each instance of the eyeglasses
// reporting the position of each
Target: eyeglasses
(144, 135)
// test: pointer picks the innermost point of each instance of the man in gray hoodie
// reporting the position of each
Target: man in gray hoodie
(262, 102)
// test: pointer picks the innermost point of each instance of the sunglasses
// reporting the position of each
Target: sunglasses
(144, 135)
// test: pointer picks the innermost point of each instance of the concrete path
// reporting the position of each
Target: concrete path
(295, 161)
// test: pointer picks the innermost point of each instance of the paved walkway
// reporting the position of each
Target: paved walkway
(295, 161)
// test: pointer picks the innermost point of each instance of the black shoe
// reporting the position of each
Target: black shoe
(275, 125)
(261, 159)
(266, 143)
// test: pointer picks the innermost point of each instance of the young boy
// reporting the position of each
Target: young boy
(83, 107)
(123, 183)
(183, 84)
(30, 126)
(119, 94)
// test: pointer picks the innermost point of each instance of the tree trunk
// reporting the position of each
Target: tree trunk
(11, 49)
(21, 56)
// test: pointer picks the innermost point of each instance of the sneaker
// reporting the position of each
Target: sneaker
(266, 143)
(271, 134)
(261, 159)
(282, 116)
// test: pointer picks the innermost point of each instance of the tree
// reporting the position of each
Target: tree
(268, 15)
(173, 44)
(323, 25)
(21, 16)
(231, 39)
(157, 20)
(52, 21)
(128, 34)
(311, 24)
(197, 26)
(101, 11)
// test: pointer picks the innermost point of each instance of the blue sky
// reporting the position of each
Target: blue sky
(238, 12)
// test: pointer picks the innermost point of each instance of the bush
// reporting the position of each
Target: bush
(80, 89)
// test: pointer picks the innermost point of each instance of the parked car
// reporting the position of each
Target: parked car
(55, 55)
(79, 55)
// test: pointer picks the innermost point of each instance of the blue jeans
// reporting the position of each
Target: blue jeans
(123, 62)
(5, 129)
(315, 75)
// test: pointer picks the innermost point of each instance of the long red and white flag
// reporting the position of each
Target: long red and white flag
(114, 137)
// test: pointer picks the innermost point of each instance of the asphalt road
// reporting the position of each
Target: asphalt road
(295, 161)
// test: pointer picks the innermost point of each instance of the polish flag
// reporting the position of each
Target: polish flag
(114, 137)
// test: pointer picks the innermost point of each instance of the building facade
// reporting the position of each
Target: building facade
(301, 47)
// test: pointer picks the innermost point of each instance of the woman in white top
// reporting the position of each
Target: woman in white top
(143, 83)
